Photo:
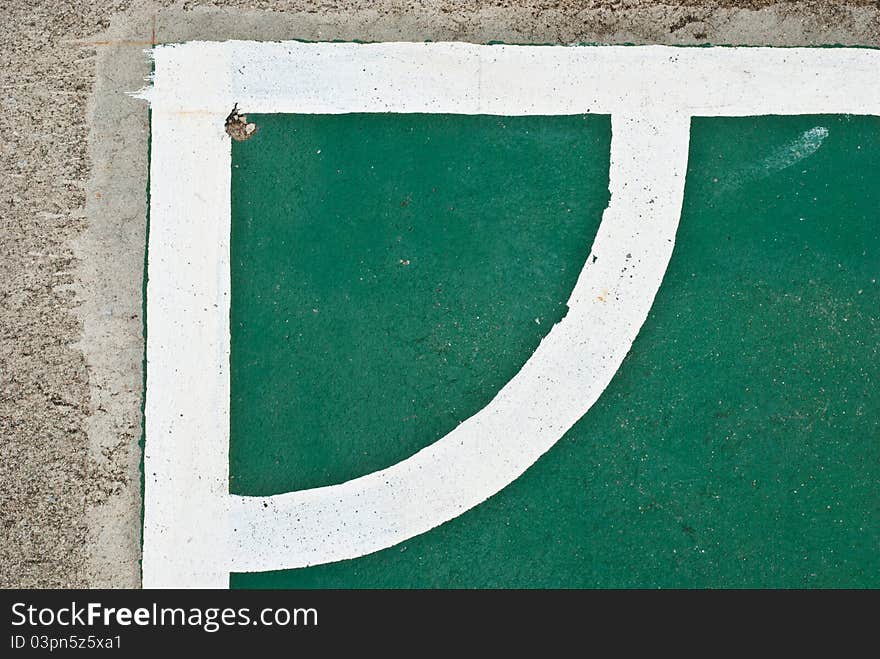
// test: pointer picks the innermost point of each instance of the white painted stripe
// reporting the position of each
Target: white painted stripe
(186, 470)
(195, 532)
(513, 80)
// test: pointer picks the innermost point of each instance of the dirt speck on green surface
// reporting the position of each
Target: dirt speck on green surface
(73, 149)
(238, 127)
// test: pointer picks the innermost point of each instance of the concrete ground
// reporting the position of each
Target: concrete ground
(73, 151)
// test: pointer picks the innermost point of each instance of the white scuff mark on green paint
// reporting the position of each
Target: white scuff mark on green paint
(803, 147)
(783, 157)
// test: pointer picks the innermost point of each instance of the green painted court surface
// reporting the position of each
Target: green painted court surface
(391, 272)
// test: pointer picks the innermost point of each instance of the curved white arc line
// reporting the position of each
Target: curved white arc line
(557, 385)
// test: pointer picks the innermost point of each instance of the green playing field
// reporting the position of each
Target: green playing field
(391, 272)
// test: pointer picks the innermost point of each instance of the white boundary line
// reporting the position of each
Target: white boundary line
(195, 532)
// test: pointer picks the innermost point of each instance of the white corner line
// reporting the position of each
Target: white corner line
(195, 531)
